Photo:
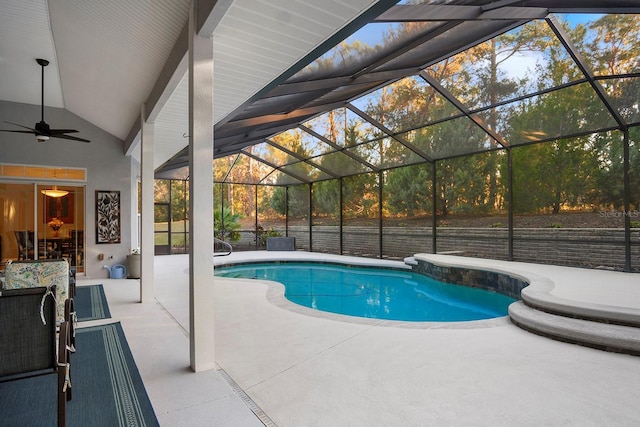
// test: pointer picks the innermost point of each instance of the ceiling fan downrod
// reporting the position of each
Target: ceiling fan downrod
(43, 63)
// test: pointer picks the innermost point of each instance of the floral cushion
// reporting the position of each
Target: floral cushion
(29, 274)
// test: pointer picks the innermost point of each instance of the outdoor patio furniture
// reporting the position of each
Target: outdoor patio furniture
(281, 243)
(29, 345)
(48, 273)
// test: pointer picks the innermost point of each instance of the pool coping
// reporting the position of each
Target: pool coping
(538, 293)
(276, 290)
(539, 311)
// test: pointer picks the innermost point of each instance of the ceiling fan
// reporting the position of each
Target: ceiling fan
(42, 131)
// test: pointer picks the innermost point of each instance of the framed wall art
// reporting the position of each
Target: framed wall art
(107, 216)
(59, 207)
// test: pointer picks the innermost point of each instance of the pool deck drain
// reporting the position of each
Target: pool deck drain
(264, 418)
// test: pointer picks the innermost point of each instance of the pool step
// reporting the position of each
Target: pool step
(604, 336)
(410, 261)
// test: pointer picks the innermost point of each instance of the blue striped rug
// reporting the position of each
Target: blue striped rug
(91, 303)
(106, 386)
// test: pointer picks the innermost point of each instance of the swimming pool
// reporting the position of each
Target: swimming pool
(378, 293)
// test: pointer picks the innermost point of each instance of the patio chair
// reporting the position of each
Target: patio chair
(29, 345)
(30, 274)
(70, 316)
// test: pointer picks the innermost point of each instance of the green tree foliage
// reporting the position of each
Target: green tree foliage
(407, 190)
(575, 172)
(278, 201)
(613, 44)
(179, 200)
(226, 224)
(174, 192)
(554, 175)
(326, 199)
(609, 151)
(564, 154)
(298, 201)
(360, 196)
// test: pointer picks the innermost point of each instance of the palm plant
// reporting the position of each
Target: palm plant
(226, 224)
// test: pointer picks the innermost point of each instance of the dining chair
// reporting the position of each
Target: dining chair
(25, 244)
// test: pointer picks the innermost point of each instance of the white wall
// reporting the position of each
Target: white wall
(107, 169)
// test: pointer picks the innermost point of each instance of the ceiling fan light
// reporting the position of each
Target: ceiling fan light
(54, 192)
(42, 138)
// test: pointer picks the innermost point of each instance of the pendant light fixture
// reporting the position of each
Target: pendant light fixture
(54, 192)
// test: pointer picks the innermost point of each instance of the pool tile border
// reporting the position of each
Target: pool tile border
(494, 281)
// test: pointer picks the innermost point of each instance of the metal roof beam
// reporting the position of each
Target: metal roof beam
(586, 70)
(390, 133)
(441, 29)
(242, 124)
(299, 178)
(339, 149)
(440, 12)
(460, 106)
(308, 160)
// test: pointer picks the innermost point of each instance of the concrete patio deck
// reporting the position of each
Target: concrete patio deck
(304, 368)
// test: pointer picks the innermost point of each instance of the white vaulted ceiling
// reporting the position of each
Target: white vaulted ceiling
(107, 55)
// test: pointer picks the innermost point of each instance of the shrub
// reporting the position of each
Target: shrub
(263, 234)
(226, 224)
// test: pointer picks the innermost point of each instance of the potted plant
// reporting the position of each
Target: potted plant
(133, 261)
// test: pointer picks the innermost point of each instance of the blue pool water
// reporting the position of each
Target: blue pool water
(375, 292)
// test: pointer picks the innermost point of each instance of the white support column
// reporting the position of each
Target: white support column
(147, 247)
(201, 316)
(135, 221)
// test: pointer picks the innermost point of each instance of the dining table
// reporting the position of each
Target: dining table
(53, 247)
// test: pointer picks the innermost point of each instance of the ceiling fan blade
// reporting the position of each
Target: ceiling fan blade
(42, 130)
(25, 127)
(69, 137)
(18, 131)
(54, 132)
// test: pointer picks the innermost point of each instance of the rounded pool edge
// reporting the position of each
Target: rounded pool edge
(275, 294)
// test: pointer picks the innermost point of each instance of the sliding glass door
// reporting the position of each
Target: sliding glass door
(16, 229)
(42, 221)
